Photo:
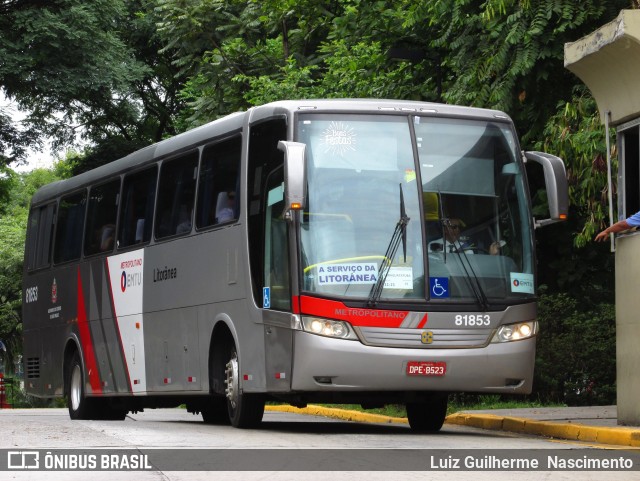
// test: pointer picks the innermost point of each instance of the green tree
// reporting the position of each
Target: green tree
(508, 54)
(568, 260)
(576, 133)
(63, 57)
(576, 352)
(88, 68)
(359, 70)
(238, 54)
(12, 238)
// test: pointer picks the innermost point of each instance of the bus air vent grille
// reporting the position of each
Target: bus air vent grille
(414, 338)
(33, 368)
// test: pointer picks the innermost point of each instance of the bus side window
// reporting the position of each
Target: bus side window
(69, 227)
(136, 208)
(101, 218)
(177, 188)
(218, 184)
(276, 243)
(39, 236)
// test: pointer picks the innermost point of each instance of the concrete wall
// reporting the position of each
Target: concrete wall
(607, 62)
(628, 328)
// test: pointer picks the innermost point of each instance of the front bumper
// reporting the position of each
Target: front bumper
(326, 364)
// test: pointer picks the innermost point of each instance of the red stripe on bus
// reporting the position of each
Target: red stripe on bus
(84, 331)
(295, 304)
(423, 322)
(355, 315)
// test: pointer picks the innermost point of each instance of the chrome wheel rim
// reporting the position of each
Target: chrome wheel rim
(76, 387)
(231, 381)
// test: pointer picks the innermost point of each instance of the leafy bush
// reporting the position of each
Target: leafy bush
(576, 352)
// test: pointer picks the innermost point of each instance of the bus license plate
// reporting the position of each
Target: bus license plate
(426, 368)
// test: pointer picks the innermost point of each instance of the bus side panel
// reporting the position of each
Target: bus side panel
(32, 355)
(196, 270)
(171, 346)
(178, 277)
(278, 357)
(87, 331)
(126, 284)
(50, 317)
(34, 320)
(104, 328)
(204, 270)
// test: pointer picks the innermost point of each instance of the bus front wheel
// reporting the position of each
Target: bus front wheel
(215, 411)
(245, 410)
(429, 415)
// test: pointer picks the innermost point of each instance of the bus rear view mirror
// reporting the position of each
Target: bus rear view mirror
(555, 179)
(295, 181)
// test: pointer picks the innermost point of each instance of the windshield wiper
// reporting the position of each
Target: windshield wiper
(399, 234)
(472, 279)
(474, 282)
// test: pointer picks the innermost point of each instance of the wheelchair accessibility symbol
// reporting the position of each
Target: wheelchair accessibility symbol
(266, 297)
(439, 287)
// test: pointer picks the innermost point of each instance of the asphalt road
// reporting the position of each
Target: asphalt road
(288, 446)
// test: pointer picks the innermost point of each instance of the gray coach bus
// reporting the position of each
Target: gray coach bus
(335, 251)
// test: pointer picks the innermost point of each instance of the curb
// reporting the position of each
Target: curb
(344, 414)
(620, 436)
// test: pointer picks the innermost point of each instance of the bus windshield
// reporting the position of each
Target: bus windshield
(468, 236)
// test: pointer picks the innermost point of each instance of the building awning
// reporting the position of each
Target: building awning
(608, 62)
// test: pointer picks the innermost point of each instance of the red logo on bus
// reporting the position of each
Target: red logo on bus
(54, 292)
(123, 281)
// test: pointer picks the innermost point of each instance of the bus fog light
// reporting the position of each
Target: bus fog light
(516, 332)
(328, 327)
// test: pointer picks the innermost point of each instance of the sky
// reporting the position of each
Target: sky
(35, 158)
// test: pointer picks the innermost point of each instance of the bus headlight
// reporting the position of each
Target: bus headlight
(516, 332)
(328, 328)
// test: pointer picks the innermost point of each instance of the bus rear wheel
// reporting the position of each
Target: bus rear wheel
(80, 407)
(245, 410)
(429, 415)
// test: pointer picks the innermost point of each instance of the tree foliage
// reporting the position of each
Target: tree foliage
(238, 54)
(575, 362)
(85, 68)
(12, 229)
(575, 132)
(63, 57)
(508, 54)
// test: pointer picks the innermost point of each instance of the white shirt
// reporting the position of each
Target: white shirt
(462, 245)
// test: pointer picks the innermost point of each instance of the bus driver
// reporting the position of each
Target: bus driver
(453, 241)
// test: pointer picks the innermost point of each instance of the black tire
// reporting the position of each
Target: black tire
(245, 410)
(215, 411)
(429, 415)
(80, 407)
